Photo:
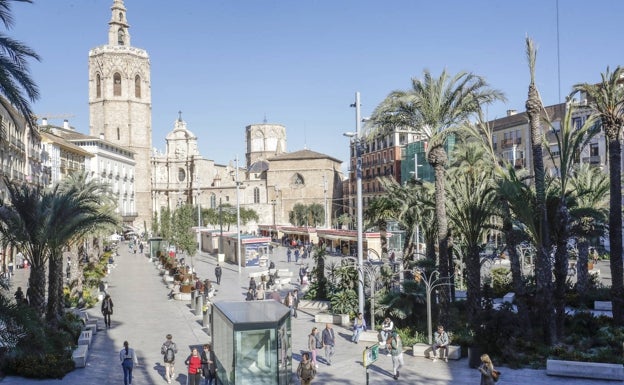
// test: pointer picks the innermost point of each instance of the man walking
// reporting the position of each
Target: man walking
(218, 273)
(396, 350)
(169, 350)
(329, 341)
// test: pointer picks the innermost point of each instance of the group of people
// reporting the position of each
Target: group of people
(198, 364)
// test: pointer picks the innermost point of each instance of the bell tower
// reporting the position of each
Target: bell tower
(120, 105)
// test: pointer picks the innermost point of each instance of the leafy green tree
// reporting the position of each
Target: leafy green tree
(379, 211)
(15, 80)
(307, 215)
(166, 230)
(183, 235)
(606, 99)
(433, 107)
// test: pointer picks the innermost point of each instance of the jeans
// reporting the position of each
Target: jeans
(356, 335)
(194, 378)
(127, 369)
(443, 350)
(209, 378)
(329, 353)
(397, 363)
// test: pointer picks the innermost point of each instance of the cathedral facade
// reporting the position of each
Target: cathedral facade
(270, 180)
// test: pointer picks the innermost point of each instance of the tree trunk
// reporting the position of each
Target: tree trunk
(37, 286)
(438, 159)
(561, 267)
(55, 288)
(473, 286)
(582, 275)
(615, 227)
(383, 235)
(543, 273)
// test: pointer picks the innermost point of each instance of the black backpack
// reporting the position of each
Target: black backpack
(169, 353)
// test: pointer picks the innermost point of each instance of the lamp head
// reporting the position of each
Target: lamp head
(350, 134)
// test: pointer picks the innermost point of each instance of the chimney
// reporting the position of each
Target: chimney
(66, 124)
(101, 136)
(44, 121)
(511, 112)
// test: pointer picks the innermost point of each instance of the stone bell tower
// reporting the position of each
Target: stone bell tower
(120, 104)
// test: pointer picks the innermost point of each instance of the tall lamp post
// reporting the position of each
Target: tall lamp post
(238, 234)
(356, 140)
(432, 281)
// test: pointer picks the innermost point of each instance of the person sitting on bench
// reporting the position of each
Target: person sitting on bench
(440, 341)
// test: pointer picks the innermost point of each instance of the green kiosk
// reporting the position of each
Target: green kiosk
(252, 342)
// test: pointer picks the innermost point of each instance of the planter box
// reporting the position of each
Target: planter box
(314, 304)
(336, 319)
(579, 369)
(424, 350)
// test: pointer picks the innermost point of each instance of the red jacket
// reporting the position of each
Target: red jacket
(194, 363)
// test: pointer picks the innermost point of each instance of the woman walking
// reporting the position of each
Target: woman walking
(314, 343)
(107, 310)
(128, 359)
(208, 365)
(486, 369)
(194, 367)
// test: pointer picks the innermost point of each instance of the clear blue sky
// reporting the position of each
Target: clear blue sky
(229, 63)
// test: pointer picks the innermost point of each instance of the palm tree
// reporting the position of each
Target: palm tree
(433, 107)
(606, 99)
(472, 205)
(15, 79)
(379, 211)
(543, 264)
(570, 141)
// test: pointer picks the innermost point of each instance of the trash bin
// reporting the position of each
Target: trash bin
(474, 356)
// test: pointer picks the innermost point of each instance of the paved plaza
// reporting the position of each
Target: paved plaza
(143, 316)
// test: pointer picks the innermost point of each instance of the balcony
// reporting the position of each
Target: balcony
(129, 216)
(596, 159)
(506, 143)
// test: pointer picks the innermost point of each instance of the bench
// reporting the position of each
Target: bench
(369, 336)
(509, 297)
(597, 370)
(259, 274)
(424, 350)
(315, 305)
(182, 296)
(603, 305)
(85, 337)
(79, 356)
(284, 273)
(336, 319)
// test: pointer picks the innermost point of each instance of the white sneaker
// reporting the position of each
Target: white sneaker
(435, 359)
(445, 359)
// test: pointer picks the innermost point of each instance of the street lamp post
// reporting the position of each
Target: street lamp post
(360, 243)
(431, 282)
(238, 234)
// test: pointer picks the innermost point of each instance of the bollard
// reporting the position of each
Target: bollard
(198, 305)
(206, 319)
(193, 294)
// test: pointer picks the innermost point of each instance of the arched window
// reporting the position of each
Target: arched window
(256, 195)
(137, 86)
(117, 84)
(121, 36)
(118, 134)
(120, 16)
(298, 180)
(213, 201)
(98, 86)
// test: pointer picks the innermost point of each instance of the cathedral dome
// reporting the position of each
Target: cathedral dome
(259, 166)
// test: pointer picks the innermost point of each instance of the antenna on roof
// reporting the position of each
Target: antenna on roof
(265, 119)
(305, 137)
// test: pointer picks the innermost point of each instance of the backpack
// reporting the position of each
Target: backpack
(169, 353)
(319, 343)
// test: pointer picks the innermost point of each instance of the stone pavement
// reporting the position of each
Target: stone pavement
(143, 316)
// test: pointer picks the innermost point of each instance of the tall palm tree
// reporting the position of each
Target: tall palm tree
(543, 265)
(606, 99)
(15, 80)
(433, 107)
(570, 141)
(472, 204)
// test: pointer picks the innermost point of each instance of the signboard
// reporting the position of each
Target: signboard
(370, 355)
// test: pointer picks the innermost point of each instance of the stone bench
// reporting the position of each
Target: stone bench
(603, 305)
(509, 297)
(336, 319)
(79, 356)
(369, 336)
(182, 296)
(85, 337)
(597, 370)
(315, 305)
(259, 274)
(424, 350)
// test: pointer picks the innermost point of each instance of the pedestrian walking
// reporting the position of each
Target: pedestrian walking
(208, 361)
(141, 247)
(396, 350)
(169, 350)
(288, 254)
(295, 302)
(19, 296)
(306, 371)
(128, 360)
(107, 310)
(314, 343)
(489, 375)
(194, 367)
(218, 273)
(359, 325)
(329, 342)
